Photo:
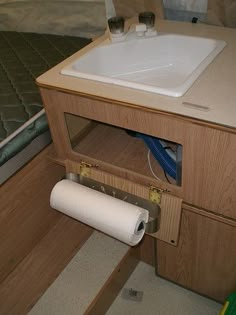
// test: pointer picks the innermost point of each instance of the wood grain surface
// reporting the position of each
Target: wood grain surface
(205, 258)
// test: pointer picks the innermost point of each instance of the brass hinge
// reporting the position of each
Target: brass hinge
(85, 168)
(155, 194)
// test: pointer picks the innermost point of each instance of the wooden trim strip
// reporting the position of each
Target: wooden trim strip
(209, 214)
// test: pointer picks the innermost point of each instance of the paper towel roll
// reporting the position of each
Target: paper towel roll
(112, 216)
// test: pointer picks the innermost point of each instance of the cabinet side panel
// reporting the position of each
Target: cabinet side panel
(205, 258)
(209, 170)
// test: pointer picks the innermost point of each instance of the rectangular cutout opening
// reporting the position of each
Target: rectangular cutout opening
(135, 153)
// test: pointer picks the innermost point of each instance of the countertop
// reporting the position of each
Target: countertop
(212, 98)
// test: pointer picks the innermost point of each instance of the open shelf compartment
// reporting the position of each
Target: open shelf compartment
(121, 149)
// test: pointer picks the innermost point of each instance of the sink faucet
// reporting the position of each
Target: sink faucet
(145, 27)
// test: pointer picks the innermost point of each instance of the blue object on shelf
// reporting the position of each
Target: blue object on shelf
(159, 152)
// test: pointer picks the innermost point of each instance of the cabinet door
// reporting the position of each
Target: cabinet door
(205, 257)
(209, 170)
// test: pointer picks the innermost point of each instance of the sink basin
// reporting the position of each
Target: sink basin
(165, 64)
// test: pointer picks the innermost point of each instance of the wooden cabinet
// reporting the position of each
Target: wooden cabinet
(209, 168)
(204, 257)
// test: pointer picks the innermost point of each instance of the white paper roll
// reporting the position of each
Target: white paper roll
(112, 216)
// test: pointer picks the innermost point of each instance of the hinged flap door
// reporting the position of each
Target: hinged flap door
(171, 208)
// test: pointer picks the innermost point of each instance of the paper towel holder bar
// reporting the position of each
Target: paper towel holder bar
(153, 208)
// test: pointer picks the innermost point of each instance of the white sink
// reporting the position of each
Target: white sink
(166, 64)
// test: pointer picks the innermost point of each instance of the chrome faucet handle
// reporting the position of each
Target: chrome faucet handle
(116, 25)
(147, 18)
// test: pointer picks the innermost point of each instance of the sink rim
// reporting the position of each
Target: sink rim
(173, 91)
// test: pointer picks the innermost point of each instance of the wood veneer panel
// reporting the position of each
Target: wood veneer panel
(209, 168)
(107, 112)
(205, 258)
(22, 288)
(114, 146)
(23, 230)
(209, 172)
(25, 215)
(208, 182)
(147, 249)
(111, 180)
(171, 209)
(27, 182)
